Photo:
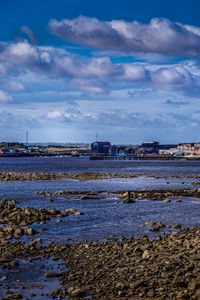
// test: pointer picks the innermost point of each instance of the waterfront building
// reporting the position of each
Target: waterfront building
(100, 147)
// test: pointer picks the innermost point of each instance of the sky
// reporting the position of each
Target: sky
(126, 70)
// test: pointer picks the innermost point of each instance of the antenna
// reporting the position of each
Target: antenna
(27, 137)
(96, 136)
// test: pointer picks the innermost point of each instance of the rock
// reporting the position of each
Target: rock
(146, 254)
(76, 292)
(52, 274)
(128, 201)
(30, 231)
(177, 226)
(166, 200)
(18, 232)
(15, 296)
(195, 284)
(150, 223)
(160, 224)
(156, 228)
(124, 195)
(73, 211)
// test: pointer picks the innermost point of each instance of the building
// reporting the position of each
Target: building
(100, 147)
(149, 148)
(190, 148)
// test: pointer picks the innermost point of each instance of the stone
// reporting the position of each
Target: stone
(146, 254)
(30, 231)
(176, 226)
(150, 223)
(166, 200)
(52, 274)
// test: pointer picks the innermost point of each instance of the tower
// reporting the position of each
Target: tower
(26, 137)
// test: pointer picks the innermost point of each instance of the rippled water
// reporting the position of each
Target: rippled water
(106, 216)
(83, 164)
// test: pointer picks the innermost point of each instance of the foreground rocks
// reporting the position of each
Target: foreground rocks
(165, 268)
(134, 268)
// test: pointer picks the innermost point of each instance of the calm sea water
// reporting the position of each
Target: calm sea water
(106, 216)
(83, 164)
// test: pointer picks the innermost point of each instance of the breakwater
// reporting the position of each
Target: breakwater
(133, 157)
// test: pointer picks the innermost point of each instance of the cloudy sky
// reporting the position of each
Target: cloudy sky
(128, 70)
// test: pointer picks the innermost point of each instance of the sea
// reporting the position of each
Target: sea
(104, 218)
(107, 216)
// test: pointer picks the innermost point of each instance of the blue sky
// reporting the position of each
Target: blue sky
(127, 70)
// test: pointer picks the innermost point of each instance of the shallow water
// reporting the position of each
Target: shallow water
(102, 218)
(106, 216)
(29, 278)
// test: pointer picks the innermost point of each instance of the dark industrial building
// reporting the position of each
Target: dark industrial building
(148, 148)
(100, 147)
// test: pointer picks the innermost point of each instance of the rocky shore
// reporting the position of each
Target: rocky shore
(15, 219)
(22, 176)
(167, 267)
(25, 176)
(165, 195)
(160, 195)
(135, 268)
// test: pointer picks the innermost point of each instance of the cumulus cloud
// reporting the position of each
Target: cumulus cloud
(71, 113)
(92, 76)
(159, 36)
(54, 114)
(173, 77)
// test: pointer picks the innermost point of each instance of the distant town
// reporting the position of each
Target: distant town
(102, 150)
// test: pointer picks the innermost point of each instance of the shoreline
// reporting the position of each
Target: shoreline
(83, 176)
(164, 267)
(132, 268)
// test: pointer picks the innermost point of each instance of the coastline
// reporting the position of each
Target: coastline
(83, 176)
(164, 267)
(131, 268)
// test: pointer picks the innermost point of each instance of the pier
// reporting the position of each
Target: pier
(134, 157)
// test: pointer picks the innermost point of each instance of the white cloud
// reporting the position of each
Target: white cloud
(134, 72)
(159, 36)
(173, 77)
(54, 114)
(91, 76)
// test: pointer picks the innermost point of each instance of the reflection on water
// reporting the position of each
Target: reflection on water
(29, 278)
(106, 216)
(83, 164)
